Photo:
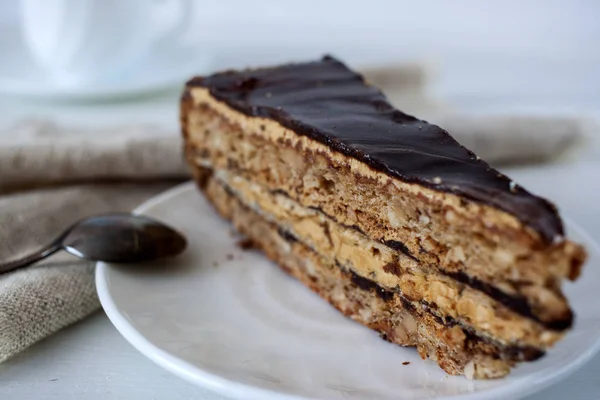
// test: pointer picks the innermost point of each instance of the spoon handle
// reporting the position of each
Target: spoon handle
(29, 259)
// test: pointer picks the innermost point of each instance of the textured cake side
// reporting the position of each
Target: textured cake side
(481, 247)
(480, 251)
(391, 271)
(455, 352)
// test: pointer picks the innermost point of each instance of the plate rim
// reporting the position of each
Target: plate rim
(230, 388)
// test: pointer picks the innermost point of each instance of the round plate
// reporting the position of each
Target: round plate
(232, 321)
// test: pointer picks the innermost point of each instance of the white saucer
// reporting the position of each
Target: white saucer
(233, 322)
(20, 76)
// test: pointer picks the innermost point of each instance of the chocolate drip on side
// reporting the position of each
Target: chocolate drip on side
(326, 101)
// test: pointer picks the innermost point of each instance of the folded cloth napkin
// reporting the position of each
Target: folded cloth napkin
(51, 176)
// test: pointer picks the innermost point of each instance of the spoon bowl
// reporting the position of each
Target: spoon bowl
(122, 238)
(116, 238)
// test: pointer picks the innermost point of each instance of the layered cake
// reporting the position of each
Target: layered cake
(383, 215)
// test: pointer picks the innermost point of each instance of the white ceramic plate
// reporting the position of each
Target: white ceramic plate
(231, 321)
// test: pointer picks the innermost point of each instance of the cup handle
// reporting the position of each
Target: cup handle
(180, 23)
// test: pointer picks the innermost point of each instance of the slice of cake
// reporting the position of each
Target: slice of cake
(384, 215)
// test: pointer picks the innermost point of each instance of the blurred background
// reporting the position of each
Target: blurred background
(534, 56)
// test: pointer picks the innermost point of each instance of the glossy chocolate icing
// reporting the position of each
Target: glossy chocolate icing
(330, 103)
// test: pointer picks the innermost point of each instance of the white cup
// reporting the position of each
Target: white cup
(82, 40)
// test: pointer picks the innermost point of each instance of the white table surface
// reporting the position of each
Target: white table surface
(91, 361)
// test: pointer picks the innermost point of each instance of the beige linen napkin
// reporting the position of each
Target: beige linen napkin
(51, 176)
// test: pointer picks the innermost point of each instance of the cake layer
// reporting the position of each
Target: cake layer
(485, 249)
(457, 351)
(392, 271)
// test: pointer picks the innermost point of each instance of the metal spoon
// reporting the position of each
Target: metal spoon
(118, 238)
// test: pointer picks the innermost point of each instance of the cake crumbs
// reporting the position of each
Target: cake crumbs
(246, 244)
(230, 257)
(215, 264)
(406, 363)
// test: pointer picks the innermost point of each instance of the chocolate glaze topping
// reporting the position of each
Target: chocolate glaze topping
(330, 103)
